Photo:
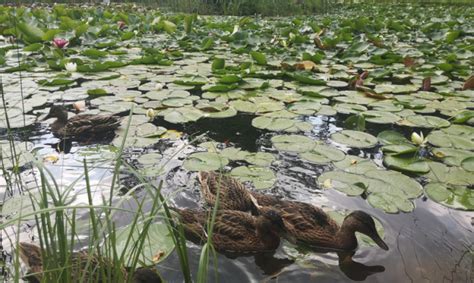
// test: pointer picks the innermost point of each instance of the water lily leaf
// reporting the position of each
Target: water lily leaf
(441, 139)
(392, 137)
(468, 164)
(390, 203)
(259, 57)
(293, 143)
(355, 122)
(244, 106)
(350, 184)
(451, 156)
(150, 159)
(463, 116)
(407, 164)
(218, 64)
(354, 139)
(182, 115)
(323, 154)
(262, 178)
(31, 33)
(220, 87)
(233, 153)
(229, 112)
(96, 92)
(158, 240)
(205, 161)
(456, 176)
(229, 79)
(425, 122)
(272, 124)
(457, 197)
(380, 117)
(260, 159)
(169, 27)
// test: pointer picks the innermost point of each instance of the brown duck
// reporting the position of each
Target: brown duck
(30, 254)
(304, 223)
(81, 127)
(234, 231)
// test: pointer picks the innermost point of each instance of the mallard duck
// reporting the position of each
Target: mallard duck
(30, 254)
(304, 223)
(235, 231)
(81, 127)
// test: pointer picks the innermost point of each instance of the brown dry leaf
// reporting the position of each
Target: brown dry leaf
(364, 75)
(156, 257)
(353, 162)
(79, 106)
(52, 158)
(286, 66)
(305, 65)
(469, 84)
(426, 84)
(409, 62)
(321, 32)
(319, 43)
(370, 93)
(377, 43)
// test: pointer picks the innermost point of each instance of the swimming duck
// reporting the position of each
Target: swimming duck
(81, 127)
(233, 195)
(235, 231)
(30, 254)
(304, 223)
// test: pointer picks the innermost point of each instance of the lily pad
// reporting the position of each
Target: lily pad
(158, 244)
(323, 154)
(293, 143)
(354, 139)
(262, 178)
(458, 197)
(205, 161)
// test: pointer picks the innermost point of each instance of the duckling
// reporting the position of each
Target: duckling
(81, 127)
(235, 231)
(304, 223)
(30, 254)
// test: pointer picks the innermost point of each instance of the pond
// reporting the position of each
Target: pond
(366, 108)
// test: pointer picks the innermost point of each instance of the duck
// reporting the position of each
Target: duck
(234, 232)
(81, 127)
(232, 195)
(31, 255)
(304, 223)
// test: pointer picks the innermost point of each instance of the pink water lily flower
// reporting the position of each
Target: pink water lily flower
(60, 42)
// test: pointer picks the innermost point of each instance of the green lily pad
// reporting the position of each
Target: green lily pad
(390, 203)
(205, 161)
(158, 243)
(323, 154)
(406, 164)
(293, 143)
(457, 197)
(468, 164)
(354, 139)
(441, 139)
(428, 122)
(262, 178)
(272, 124)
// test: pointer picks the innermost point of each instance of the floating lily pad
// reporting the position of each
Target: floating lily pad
(262, 178)
(354, 139)
(323, 154)
(293, 143)
(458, 197)
(205, 161)
(158, 243)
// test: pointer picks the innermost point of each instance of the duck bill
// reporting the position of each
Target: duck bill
(376, 238)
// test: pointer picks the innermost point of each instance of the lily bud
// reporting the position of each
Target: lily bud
(70, 67)
(150, 113)
(417, 139)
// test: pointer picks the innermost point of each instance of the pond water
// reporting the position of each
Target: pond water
(306, 130)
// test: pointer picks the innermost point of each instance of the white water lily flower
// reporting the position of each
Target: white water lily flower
(417, 139)
(159, 86)
(150, 113)
(70, 67)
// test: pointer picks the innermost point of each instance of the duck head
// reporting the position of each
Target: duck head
(57, 111)
(359, 221)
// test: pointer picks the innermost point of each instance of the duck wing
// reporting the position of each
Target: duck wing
(232, 195)
(98, 125)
